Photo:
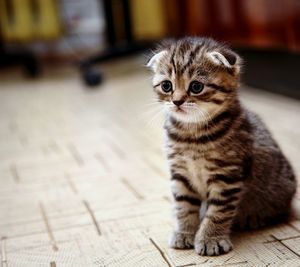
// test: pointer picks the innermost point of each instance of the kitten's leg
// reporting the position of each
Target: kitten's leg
(187, 207)
(212, 237)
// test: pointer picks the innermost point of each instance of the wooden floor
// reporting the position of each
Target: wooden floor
(83, 179)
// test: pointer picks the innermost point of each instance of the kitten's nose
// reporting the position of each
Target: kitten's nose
(178, 102)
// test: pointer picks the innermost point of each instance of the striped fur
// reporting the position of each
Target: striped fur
(219, 153)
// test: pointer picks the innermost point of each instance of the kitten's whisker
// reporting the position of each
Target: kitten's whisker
(154, 119)
(148, 114)
(151, 103)
(153, 109)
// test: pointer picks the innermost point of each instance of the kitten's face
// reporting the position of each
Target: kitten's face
(195, 78)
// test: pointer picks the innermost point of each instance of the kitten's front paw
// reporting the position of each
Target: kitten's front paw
(213, 246)
(182, 240)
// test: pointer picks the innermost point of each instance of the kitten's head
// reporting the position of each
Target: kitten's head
(195, 77)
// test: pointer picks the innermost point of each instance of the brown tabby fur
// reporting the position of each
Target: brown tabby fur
(221, 155)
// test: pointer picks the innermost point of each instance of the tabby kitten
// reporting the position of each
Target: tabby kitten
(221, 155)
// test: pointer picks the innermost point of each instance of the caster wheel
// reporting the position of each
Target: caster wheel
(92, 77)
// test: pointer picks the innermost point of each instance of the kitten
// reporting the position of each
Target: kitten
(221, 155)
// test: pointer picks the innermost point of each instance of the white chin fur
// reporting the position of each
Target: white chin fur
(190, 116)
(186, 117)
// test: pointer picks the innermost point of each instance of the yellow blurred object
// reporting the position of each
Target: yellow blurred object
(16, 21)
(148, 19)
(48, 26)
(28, 20)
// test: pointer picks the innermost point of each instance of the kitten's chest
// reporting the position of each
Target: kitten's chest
(198, 175)
(191, 162)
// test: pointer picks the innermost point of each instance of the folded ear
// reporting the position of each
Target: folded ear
(226, 58)
(154, 61)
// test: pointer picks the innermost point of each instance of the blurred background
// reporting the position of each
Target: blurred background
(39, 33)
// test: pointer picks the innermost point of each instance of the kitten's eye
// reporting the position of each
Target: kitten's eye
(196, 87)
(166, 86)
